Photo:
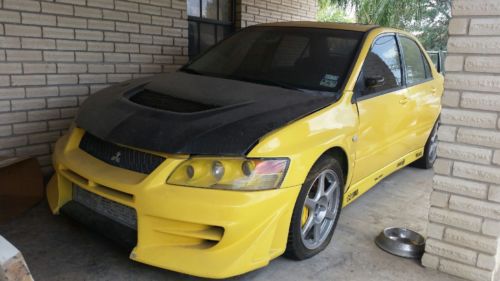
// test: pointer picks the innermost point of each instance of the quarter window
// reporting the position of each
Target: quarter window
(416, 69)
(428, 71)
(383, 64)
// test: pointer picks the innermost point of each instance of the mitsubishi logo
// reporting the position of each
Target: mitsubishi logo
(116, 157)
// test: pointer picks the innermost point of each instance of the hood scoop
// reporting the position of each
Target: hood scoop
(180, 113)
(152, 99)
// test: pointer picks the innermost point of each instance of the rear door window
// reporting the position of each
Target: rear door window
(417, 68)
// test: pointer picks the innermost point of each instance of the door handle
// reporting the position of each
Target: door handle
(403, 100)
(433, 90)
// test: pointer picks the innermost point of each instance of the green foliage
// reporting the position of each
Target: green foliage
(432, 29)
(332, 13)
(427, 19)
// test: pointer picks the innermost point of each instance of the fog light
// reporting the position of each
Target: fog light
(217, 170)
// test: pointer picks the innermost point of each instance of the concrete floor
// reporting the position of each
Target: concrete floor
(58, 249)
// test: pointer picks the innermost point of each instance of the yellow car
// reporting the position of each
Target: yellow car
(250, 150)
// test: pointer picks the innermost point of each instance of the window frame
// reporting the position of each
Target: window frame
(404, 85)
(427, 67)
(200, 20)
(357, 93)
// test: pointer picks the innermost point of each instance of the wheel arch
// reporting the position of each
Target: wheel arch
(340, 154)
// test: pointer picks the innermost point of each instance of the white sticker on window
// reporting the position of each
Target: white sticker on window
(329, 81)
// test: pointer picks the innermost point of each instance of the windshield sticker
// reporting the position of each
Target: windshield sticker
(329, 81)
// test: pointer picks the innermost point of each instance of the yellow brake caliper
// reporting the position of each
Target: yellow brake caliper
(305, 215)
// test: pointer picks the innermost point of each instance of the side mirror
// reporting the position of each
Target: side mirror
(374, 82)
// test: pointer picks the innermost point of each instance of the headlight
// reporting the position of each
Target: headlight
(230, 173)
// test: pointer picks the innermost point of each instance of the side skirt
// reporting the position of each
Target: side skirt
(365, 184)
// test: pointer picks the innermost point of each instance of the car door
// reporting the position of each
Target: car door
(423, 90)
(386, 114)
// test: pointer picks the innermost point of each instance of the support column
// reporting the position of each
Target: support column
(464, 217)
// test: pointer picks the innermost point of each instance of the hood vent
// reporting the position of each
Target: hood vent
(165, 102)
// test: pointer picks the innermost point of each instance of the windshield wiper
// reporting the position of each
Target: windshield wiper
(266, 82)
(246, 79)
(191, 71)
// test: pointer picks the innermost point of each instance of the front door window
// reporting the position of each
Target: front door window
(382, 61)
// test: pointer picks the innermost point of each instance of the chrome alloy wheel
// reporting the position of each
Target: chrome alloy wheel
(320, 209)
(433, 144)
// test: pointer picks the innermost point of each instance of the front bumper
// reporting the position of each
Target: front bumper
(202, 232)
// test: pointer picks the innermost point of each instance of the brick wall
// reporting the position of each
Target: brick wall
(464, 228)
(53, 54)
(250, 12)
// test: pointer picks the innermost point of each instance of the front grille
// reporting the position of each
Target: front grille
(108, 208)
(120, 156)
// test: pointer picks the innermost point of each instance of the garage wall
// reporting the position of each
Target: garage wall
(464, 229)
(53, 54)
(250, 12)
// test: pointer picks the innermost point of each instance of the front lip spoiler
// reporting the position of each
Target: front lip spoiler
(122, 235)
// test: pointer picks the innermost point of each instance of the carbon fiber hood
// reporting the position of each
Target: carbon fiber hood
(193, 114)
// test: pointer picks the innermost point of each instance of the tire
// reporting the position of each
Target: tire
(430, 150)
(321, 212)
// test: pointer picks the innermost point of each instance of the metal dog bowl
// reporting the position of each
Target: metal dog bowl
(401, 242)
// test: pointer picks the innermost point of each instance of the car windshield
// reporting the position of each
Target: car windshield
(307, 59)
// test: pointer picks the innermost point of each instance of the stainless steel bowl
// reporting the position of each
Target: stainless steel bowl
(401, 242)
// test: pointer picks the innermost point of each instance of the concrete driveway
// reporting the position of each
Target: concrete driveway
(56, 248)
